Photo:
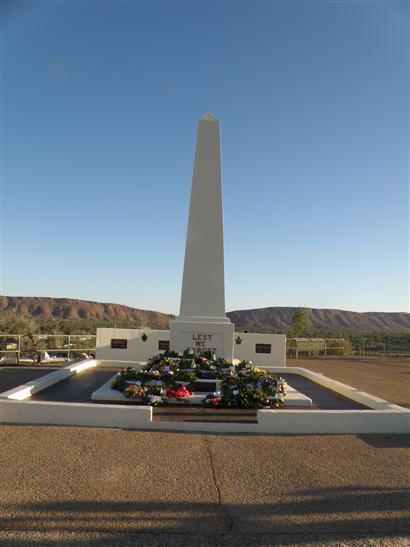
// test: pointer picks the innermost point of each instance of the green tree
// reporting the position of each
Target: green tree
(13, 323)
(299, 322)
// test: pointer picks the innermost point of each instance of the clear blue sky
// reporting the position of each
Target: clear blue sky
(100, 102)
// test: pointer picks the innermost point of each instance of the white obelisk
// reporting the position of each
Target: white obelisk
(202, 323)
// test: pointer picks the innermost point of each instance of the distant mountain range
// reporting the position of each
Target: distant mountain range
(70, 308)
(324, 319)
(277, 318)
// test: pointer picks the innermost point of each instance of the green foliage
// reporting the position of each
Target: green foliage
(14, 323)
(172, 375)
(11, 322)
(393, 341)
(246, 386)
(299, 322)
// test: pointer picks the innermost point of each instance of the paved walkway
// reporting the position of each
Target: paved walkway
(73, 486)
(78, 388)
(11, 377)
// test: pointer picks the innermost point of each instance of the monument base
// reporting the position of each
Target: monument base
(202, 336)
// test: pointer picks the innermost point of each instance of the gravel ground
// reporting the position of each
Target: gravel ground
(74, 486)
(86, 486)
(385, 377)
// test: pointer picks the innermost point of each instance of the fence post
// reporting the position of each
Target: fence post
(18, 348)
(68, 350)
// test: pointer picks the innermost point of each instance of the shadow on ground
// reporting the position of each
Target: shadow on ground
(344, 514)
(386, 441)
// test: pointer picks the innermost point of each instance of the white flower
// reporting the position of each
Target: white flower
(235, 391)
(153, 399)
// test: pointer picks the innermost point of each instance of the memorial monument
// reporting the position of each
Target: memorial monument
(202, 323)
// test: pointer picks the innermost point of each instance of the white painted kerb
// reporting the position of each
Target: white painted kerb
(28, 389)
(294, 422)
(74, 414)
(385, 418)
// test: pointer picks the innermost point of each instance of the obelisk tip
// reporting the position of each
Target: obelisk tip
(209, 117)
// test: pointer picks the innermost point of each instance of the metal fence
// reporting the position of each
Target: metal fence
(315, 346)
(368, 347)
(34, 347)
(338, 346)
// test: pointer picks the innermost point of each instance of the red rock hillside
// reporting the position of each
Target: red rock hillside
(278, 318)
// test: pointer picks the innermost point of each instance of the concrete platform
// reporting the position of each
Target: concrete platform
(106, 393)
(63, 397)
